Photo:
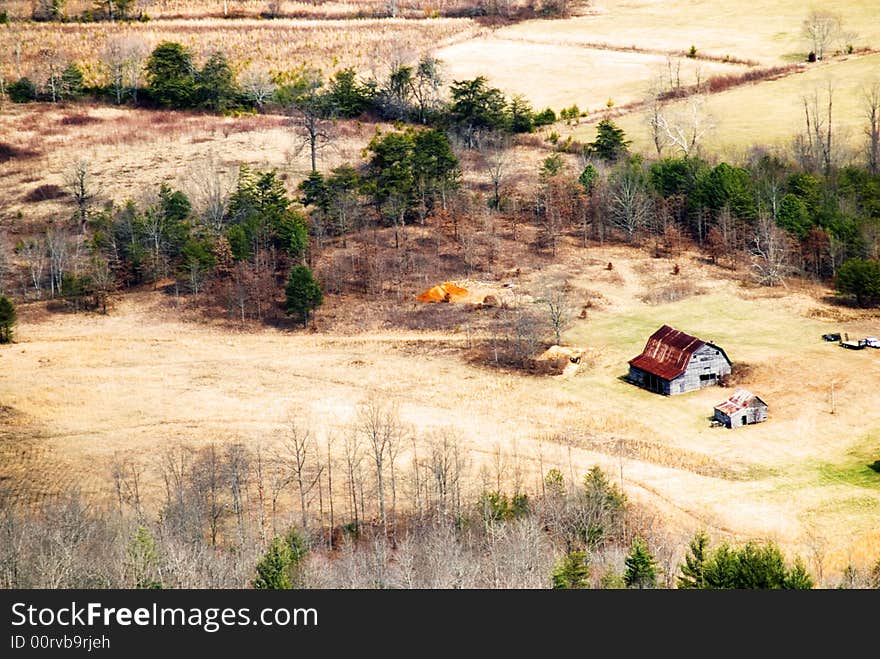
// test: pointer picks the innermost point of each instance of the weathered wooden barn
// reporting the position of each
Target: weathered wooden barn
(741, 409)
(674, 362)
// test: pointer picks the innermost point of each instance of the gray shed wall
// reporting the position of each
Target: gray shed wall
(754, 414)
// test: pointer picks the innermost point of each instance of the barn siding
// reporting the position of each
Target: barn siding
(649, 381)
(707, 361)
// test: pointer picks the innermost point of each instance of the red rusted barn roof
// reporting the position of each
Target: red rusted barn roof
(667, 353)
(741, 399)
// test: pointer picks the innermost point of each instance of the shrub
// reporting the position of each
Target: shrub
(22, 91)
(544, 118)
(45, 192)
(7, 319)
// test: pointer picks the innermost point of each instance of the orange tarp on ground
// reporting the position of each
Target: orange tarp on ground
(445, 292)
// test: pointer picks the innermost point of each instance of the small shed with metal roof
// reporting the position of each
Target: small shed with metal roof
(741, 409)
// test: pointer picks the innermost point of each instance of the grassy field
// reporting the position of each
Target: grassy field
(771, 113)
(131, 151)
(615, 53)
(620, 51)
(769, 32)
(81, 389)
(559, 74)
(368, 45)
(165, 9)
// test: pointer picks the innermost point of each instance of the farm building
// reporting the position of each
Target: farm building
(674, 362)
(741, 409)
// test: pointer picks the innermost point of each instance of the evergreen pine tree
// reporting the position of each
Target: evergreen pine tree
(572, 572)
(272, 570)
(143, 558)
(641, 570)
(798, 578)
(303, 294)
(610, 143)
(694, 562)
(7, 319)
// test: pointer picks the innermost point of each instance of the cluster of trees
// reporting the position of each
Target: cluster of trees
(126, 10)
(776, 215)
(236, 249)
(168, 77)
(63, 82)
(372, 492)
(303, 515)
(102, 10)
(409, 174)
(752, 566)
(242, 245)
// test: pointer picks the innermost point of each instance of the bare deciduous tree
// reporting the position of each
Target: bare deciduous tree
(5, 262)
(685, 126)
(58, 247)
(498, 162)
(303, 101)
(127, 478)
(237, 463)
(628, 203)
(211, 188)
(300, 458)
(820, 28)
(207, 481)
(34, 254)
(257, 86)
(379, 425)
(427, 87)
(871, 97)
(816, 143)
(353, 451)
(770, 251)
(124, 57)
(81, 183)
(102, 281)
(554, 296)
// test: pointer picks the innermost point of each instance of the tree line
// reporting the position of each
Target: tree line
(133, 10)
(168, 77)
(372, 505)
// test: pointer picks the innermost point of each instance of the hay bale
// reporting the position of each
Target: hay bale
(445, 292)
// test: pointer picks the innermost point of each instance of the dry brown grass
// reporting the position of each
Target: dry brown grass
(131, 151)
(86, 387)
(549, 73)
(193, 9)
(367, 45)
